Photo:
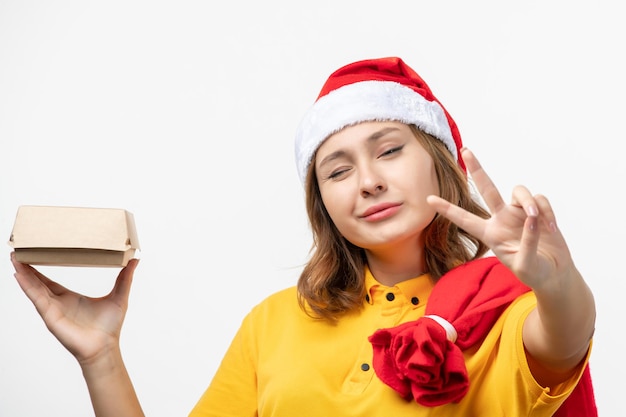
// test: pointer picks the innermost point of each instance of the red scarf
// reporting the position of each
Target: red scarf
(418, 361)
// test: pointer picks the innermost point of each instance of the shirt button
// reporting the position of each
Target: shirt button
(415, 301)
(365, 367)
(390, 296)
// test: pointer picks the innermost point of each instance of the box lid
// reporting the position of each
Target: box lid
(74, 227)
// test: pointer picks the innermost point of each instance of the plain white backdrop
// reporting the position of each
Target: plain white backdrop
(183, 112)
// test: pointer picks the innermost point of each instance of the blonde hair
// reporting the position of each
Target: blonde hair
(332, 282)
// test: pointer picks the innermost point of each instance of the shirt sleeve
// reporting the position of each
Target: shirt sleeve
(233, 390)
(543, 400)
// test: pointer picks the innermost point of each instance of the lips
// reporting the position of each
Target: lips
(380, 211)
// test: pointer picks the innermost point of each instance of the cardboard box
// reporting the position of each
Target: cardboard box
(74, 236)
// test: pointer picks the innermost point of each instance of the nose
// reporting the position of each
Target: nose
(371, 182)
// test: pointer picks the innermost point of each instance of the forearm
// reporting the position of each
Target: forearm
(110, 387)
(561, 328)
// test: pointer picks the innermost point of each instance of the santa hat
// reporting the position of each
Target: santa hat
(376, 89)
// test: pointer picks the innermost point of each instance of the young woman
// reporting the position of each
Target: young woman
(398, 312)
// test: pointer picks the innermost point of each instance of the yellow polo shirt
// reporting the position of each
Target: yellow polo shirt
(282, 363)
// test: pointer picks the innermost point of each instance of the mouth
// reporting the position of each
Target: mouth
(380, 211)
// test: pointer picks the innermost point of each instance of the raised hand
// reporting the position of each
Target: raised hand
(90, 329)
(522, 234)
(87, 327)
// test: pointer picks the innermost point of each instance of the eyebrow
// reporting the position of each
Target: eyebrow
(370, 139)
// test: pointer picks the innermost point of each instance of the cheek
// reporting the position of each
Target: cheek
(419, 181)
(435, 184)
(336, 204)
(331, 204)
(430, 184)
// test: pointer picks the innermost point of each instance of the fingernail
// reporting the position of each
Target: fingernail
(532, 222)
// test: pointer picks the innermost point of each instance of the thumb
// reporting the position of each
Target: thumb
(121, 290)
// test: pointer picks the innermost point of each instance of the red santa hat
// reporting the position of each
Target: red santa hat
(375, 89)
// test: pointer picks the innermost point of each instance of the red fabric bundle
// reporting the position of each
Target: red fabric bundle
(418, 361)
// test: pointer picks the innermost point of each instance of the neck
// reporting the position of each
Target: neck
(396, 264)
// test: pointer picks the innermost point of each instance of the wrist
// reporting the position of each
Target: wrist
(106, 362)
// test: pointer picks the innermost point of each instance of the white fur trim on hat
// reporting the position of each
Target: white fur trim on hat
(367, 101)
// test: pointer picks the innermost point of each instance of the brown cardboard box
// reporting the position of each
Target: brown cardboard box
(74, 236)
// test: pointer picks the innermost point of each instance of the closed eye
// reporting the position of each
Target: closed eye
(337, 173)
(392, 151)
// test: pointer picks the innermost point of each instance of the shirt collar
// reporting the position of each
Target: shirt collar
(418, 288)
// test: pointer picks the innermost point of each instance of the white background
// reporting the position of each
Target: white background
(183, 112)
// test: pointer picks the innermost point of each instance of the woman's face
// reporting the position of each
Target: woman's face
(374, 178)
